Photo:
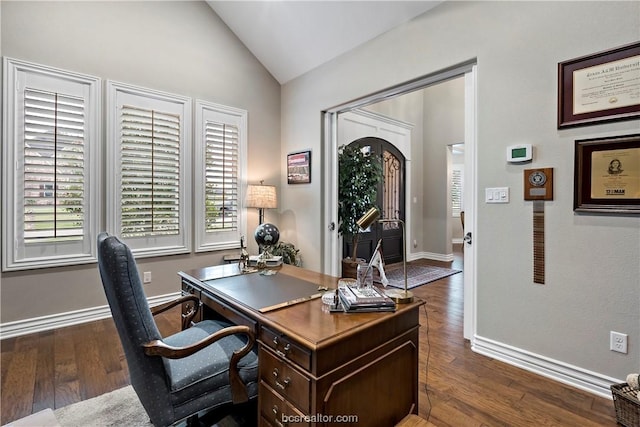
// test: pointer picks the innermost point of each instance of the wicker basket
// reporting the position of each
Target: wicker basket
(627, 405)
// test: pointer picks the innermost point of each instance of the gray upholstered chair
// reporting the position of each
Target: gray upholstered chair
(210, 366)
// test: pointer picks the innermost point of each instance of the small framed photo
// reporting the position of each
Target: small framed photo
(601, 87)
(607, 175)
(299, 167)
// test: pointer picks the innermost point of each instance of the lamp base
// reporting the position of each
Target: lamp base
(399, 296)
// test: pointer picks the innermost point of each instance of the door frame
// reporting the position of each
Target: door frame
(331, 244)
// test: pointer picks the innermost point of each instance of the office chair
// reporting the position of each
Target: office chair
(209, 366)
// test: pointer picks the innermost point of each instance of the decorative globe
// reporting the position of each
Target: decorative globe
(267, 234)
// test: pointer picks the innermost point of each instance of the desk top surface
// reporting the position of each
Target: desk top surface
(309, 322)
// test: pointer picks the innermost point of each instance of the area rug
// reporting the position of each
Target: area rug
(118, 408)
(123, 408)
(418, 275)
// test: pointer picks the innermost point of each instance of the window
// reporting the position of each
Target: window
(149, 140)
(220, 164)
(51, 171)
(456, 189)
(392, 188)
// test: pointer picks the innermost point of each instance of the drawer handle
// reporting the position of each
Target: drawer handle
(276, 341)
(283, 385)
(275, 416)
(285, 352)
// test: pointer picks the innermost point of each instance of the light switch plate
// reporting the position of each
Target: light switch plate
(496, 195)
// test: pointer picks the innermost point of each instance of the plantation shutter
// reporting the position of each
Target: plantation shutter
(51, 197)
(456, 191)
(150, 167)
(54, 166)
(149, 184)
(220, 164)
(221, 173)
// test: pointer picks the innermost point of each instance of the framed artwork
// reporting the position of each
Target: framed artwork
(299, 167)
(600, 87)
(607, 175)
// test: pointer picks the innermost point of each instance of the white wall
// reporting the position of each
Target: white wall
(443, 126)
(179, 47)
(593, 262)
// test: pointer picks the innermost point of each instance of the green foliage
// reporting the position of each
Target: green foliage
(358, 177)
(290, 255)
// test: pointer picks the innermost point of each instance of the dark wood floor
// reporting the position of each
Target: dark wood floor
(457, 386)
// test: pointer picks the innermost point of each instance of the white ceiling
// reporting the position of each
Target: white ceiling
(292, 37)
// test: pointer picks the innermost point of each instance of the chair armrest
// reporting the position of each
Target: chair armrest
(186, 317)
(238, 389)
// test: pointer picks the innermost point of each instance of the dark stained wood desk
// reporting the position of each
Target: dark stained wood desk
(317, 367)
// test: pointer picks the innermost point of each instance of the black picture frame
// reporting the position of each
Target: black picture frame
(607, 175)
(601, 79)
(299, 167)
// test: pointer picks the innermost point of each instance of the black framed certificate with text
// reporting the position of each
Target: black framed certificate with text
(601, 87)
(607, 175)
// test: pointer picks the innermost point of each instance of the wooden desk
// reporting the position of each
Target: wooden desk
(315, 365)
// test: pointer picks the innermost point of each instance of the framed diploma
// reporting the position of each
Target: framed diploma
(600, 87)
(607, 175)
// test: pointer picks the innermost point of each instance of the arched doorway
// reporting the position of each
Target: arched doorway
(390, 200)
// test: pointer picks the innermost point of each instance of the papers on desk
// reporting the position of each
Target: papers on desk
(354, 300)
(274, 261)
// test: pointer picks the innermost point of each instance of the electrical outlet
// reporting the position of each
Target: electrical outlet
(618, 342)
(146, 277)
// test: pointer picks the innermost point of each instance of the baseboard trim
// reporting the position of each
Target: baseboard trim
(430, 255)
(60, 320)
(574, 376)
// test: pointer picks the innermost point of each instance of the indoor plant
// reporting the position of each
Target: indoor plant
(359, 174)
(290, 255)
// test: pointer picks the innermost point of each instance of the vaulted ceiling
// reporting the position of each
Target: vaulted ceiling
(292, 37)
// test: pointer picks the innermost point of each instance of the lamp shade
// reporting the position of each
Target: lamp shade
(261, 196)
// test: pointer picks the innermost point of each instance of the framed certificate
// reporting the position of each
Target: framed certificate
(607, 175)
(299, 168)
(600, 87)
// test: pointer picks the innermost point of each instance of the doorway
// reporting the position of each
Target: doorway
(390, 200)
(332, 244)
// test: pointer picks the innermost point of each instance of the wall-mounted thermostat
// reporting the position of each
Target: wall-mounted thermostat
(519, 153)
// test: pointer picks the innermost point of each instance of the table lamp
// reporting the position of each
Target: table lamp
(261, 197)
(371, 216)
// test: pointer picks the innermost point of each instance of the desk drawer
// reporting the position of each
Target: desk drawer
(228, 312)
(275, 411)
(285, 379)
(286, 348)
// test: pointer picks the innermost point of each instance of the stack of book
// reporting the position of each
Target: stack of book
(358, 300)
(273, 261)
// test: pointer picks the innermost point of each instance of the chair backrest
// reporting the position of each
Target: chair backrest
(134, 322)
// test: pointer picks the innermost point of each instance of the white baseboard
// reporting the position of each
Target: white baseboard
(430, 255)
(60, 320)
(582, 379)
